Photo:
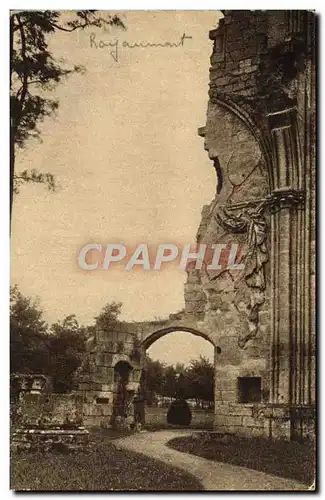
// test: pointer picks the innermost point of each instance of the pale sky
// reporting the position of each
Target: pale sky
(131, 168)
(180, 347)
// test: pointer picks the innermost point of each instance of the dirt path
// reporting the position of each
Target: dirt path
(214, 476)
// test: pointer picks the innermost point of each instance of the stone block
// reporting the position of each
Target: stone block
(235, 45)
(88, 410)
(194, 307)
(190, 287)
(217, 66)
(281, 413)
(229, 384)
(97, 421)
(241, 410)
(236, 430)
(107, 387)
(221, 419)
(136, 375)
(221, 81)
(195, 296)
(222, 409)
(50, 440)
(105, 359)
(229, 396)
(98, 410)
(257, 432)
(51, 409)
(252, 422)
(239, 430)
(233, 420)
(89, 396)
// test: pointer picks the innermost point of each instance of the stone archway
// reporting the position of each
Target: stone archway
(156, 414)
(156, 335)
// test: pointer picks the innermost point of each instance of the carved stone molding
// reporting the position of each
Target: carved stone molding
(285, 198)
(256, 123)
(287, 160)
(251, 221)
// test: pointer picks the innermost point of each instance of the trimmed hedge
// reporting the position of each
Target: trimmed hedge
(179, 413)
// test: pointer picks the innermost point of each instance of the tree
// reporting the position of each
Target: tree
(170, 382)
(195, 381)
(35, 348)
(200, 380)
(66, 346)
(33, 72)
(108, 317)
(153, 379)
(180, 368)
(28, 334)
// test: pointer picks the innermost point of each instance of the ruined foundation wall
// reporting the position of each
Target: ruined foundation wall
(98, 383)
(260, 136)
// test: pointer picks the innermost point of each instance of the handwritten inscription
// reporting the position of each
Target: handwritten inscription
(115, 45)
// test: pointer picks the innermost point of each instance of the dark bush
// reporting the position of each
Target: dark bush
(179, 413)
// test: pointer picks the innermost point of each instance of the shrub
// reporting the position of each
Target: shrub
(179, 413)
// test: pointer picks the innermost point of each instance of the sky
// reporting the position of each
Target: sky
(130, 166)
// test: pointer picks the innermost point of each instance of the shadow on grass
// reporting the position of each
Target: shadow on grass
(103, 467)
(286, 459)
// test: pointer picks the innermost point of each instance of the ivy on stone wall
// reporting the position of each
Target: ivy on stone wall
(278, 69)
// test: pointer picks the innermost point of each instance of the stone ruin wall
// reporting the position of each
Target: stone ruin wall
(236, 302)
(260, 137)
(98, 385)
(44, 421)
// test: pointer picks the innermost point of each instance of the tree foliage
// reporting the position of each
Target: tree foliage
(66, 346)
(200, 379)
(56, 351)
(195, 381)
(34, 71)
(108, 316)
(28, 334)
(153, 379)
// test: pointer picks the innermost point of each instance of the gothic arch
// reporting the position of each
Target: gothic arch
(263, 139)
(156, 335)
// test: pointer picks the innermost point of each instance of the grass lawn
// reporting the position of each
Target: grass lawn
(103, 468)
(281, 458)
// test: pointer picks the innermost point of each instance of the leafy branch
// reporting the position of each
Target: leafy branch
(33, 176)
(34, 71)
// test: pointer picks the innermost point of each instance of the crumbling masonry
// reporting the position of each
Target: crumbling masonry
(260, 136)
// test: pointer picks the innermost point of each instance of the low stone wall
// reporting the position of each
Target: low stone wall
(48, 409)
(49, 440)
(46, 422)
(158, 416)
(265, 420)
(98, 402)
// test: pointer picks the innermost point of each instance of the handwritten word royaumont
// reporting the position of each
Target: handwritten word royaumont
(115, 45)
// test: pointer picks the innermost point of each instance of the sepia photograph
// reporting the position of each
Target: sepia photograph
(163, 250)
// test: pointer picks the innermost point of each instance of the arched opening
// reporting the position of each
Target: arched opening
(179, 366)
(122, 401)
(122, 370)
(262, 140)
(150, 339)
